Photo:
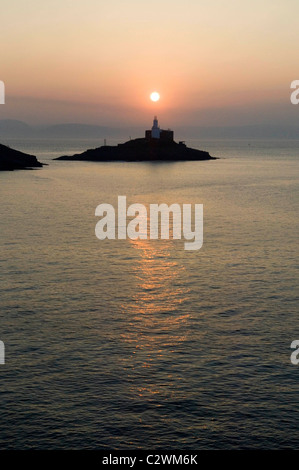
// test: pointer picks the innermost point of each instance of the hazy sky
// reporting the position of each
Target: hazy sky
(214, 62)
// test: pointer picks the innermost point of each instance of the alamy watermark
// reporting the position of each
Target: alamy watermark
(146, 225)
(295, 94)
(295, 354)
(2, 353)
(2, 92)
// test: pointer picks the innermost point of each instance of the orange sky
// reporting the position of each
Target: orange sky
(214, 62)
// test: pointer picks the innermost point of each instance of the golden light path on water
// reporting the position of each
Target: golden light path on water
(156, 275)
(157, 322)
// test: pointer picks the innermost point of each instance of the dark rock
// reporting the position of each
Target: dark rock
(142, 150)
(11, 159)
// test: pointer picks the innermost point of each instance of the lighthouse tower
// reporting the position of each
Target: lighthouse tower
(155, 129)
(156, 133)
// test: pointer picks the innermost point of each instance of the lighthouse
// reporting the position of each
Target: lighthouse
(155, 129)
(157, 133)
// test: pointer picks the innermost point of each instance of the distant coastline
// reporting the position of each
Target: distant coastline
(14, 129)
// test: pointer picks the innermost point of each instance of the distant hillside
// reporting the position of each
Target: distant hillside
(238, 132)
(74, 130)
(18, 129)
(13, 128)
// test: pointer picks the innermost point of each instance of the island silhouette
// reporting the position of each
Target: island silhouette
(157, 145)
(11, 159)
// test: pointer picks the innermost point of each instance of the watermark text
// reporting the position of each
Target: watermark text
(295, 94)
(2, 353)
(2, 92)
(146, 225)
(295, 354)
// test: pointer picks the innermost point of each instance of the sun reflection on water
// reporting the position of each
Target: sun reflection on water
(159, 290)
(157, 319)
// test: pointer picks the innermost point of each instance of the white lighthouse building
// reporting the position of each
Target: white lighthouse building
(157, 133)
(155, 129)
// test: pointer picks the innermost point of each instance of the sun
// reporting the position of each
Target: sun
(155, 96)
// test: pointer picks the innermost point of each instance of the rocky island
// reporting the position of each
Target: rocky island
(11, 159)
(157, 145)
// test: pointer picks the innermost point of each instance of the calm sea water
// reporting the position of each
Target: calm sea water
(126, 345)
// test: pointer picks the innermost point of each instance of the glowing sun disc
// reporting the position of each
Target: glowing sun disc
(155, 96)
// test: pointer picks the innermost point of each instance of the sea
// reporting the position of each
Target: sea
(140, 344)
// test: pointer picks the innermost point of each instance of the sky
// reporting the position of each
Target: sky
(214, 62)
